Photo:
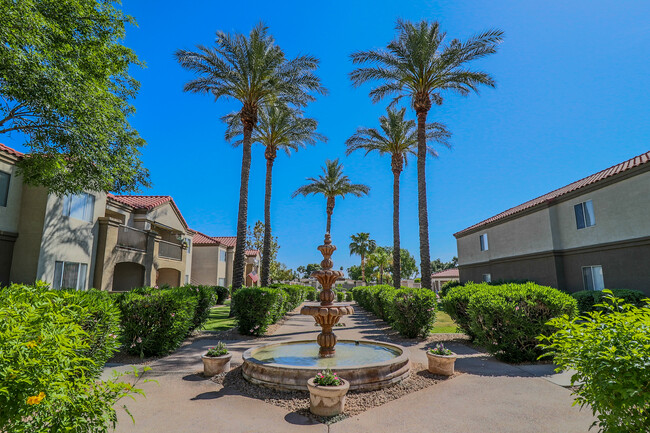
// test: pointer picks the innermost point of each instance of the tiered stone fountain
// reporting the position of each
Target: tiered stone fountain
(288, 365)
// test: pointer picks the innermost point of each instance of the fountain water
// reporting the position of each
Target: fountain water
(288, 365)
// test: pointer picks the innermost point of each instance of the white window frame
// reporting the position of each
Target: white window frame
(3, 203)
(223, 255)
(593, 275)
(483, 242)
(587, 217)
(222, 282)
(88, 211)
(487, 278)
(59, 268)
(189, 245)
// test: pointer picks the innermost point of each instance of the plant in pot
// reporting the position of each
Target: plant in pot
(441, 360)
(327, 393)
(216, 360)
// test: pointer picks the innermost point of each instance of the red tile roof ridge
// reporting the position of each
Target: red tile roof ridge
(252, 252)
(589, 180)
(451, 272)
(11, 151)
(203, 239)
(148, 202)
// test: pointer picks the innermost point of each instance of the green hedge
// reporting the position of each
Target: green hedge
(609, 350)
(53, 344)
(588, 299)
(507, 319)
(349, 297)
(206, 297)
(258, 307)
(340, 296)
(312, 294)
(156, 321)
(448, 285)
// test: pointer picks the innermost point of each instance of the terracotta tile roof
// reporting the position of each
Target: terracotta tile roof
(447, 273)
(203, 239)
(11, 151)
(589, 180)
(228, 241)
(147, 202)
(252, 253)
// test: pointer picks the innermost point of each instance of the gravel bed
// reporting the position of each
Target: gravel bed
(356, 402)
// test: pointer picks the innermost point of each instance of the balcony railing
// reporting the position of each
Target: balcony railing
(128, 237)
(170, 250)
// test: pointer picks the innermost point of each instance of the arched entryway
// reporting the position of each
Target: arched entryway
(168, 277)
(127, 276)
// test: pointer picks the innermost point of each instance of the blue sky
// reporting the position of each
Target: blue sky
(571, 100)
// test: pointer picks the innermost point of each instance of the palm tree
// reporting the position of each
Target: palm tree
(253, 71)
(398, 138)
(362, 245)
(419, 64)
(332, 183)
(381, 259)
(279, 128)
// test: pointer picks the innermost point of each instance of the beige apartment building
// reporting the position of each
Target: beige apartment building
(212, 261)
(591, 234)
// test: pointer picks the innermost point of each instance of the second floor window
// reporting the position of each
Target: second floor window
(585, 214)
(4, 188)
(80, 206)
(69, 275)
(484, 242)
(222, 255)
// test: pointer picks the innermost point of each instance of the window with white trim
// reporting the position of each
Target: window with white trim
(4, 188)
(222, 282)
(585, 214)
(188, 241)
(487, 278)
(222, 255)
(484, 242)
(592, 276)
(79, 206)
(70, 275)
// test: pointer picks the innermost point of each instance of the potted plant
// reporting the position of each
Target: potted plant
(441, 360)
(327, 393)
(216, 360)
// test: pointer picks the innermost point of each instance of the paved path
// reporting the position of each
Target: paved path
(490, 397)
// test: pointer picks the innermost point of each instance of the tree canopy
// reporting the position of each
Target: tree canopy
(65, 87)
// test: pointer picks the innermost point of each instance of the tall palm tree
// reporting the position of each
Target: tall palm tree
(420, 64)
(253, 71)
(332, 183)
(398, 138)
(362, 245)
(382, 260)
(279, 128)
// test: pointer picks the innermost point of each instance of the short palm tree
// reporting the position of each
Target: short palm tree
(362, 245)
(332, 183)
(398, 138)
(253, 71)
(279, 128)
(419, 64)
(382, 260)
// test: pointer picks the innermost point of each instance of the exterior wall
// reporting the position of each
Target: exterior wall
(204, 264)
(10, 214)
(166, 215)
(230, 263)
(538, 268)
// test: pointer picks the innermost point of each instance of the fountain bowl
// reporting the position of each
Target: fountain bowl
(288, 365)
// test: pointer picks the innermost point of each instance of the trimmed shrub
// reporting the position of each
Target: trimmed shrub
(507, 319)
(610, 351)
(448, 285)
(413, 311)
(340, 296)
(54, 343)
(588, 300)
(456, 301)
(257, 307)
(155, 322)
(222, 294)
(295, 296)
(312, 294)
(206, 298)
(349, 297)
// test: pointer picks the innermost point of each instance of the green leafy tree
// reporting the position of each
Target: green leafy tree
(420, 64)
(332, 183)
(306, 271)
(362, 245)
(282, 273)
(253, 71)
(397, 138)
(438, 265)
(65, 87)
(255, 241)
(381, 259)
(279, 128)
(407, 261)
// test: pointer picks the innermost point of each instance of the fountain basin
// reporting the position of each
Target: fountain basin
(288, 365)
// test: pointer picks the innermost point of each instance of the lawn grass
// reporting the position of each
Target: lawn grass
(218, 319)
(444, 324)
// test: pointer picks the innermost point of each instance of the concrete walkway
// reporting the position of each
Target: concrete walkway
(489, 397)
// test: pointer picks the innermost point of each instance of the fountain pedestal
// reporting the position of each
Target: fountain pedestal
(327, 314)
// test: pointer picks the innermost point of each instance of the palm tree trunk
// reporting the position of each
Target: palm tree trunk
(242, 216)
(363, 269)
(425, 260)
(397, 270)
(266, 248)
(330, 209)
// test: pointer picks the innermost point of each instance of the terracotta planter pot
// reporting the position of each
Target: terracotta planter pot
(441, 364)
(327, 400)
(213, 365)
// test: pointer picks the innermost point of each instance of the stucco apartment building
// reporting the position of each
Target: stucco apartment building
(212, 261)
(591, 234)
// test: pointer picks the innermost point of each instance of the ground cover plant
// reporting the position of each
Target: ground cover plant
(507, 319)
(610, 351)
(54, 343)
